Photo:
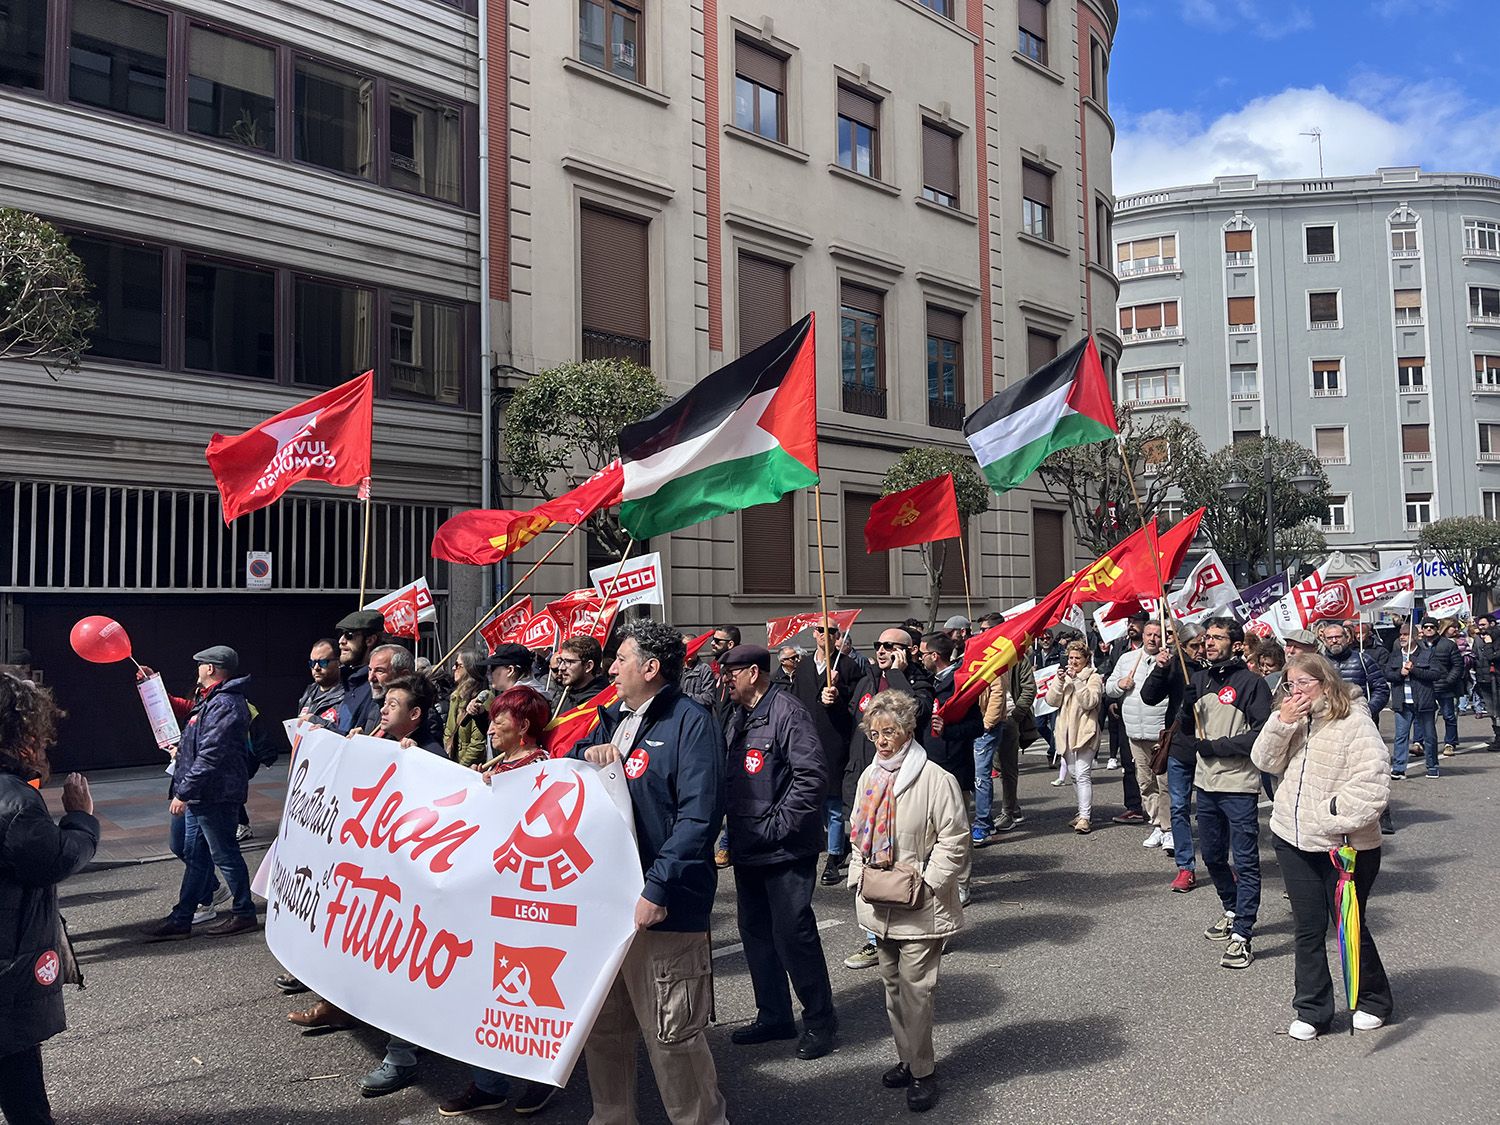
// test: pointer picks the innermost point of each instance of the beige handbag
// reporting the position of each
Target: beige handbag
(897, 885)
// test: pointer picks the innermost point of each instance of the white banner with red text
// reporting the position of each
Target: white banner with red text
(483, 922)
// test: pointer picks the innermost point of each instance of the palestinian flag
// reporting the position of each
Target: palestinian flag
(1063, 404)
(745, 435)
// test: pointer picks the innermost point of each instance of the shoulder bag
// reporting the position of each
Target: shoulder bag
(897, 885)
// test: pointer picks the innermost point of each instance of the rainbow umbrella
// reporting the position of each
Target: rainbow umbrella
(1346, 909)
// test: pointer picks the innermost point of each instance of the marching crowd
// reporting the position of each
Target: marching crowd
(766, 762)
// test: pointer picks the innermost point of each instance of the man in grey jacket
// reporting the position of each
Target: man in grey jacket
(1143, 722)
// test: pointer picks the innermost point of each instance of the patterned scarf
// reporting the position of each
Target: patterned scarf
(873, 829)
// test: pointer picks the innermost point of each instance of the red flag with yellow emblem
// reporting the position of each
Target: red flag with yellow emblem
(922, 514)
(989, 655)
(487, 535)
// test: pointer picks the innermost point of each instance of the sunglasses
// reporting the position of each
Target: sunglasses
(324, 663)
(890, 646)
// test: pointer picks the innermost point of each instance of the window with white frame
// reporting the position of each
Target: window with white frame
(1408, 303)
(1416, 441)
(1170, 512)
(1323, 309)
(1331, 444)
(1156, 254)
(1320, 243)
(1482, 237)
(1404, 242)
(1487, 373)
(1411, 373)
(1244, 382)
(1489, 441)
(1153, 385)
(1484, 303)
(1489, 502)
(1156, 455)
(1328, 378)
(1336, 519)
(1418, 510)
(1155, 321)
(1239, 247)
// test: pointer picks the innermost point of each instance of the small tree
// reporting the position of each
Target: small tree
(921, 464)
(1091, 480)
(46, 313)
(1469, 547)
(564, 425)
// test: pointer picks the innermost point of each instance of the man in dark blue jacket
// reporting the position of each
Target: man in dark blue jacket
(359, 634)
(210, 781)
(673, 754)
(774, 780)
(1417, 673)
(1357, 667)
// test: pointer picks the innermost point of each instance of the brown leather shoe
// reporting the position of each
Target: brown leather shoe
(227, 927)
(322, 1015)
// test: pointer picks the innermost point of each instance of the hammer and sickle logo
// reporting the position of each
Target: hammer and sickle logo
(907, 516)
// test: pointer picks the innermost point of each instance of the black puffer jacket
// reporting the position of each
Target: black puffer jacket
(773, 782)
(36, 854)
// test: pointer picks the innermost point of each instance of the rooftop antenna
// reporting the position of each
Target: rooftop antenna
(1317, 135)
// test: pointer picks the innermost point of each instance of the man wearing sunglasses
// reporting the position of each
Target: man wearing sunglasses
(831, 721)
(359, 635)
(320, 702)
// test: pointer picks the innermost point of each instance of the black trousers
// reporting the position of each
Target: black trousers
(781, 940)
(23, 1094)
(1310, 880)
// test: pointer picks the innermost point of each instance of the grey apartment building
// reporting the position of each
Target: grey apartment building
(270, 198)
(1358, 315)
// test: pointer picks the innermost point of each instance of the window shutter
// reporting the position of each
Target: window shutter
(767, 560)
(1041, 349)
(1408, 298)
(765, 292)
(759, 65)
(859, 107)
(1330, 442)
(1036, 184)
(1323, 306)
(863, 573)
(1169, 246)
(613, 270)
(939, 160)
(858, 297)
(1325, 365)
(1242, 310)
(1416, 438)
(945, 325)
(1147, 316)
(1169, 313)
(1319, 240)
(1237, 241)
(1048, 549)
(1127, 318)
(1032, 17)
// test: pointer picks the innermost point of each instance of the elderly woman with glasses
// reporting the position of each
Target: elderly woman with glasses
(1332, 763)
(908, 818)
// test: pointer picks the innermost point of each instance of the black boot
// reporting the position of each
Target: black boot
(835, 870)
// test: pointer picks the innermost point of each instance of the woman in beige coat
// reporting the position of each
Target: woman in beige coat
(1335, 782)
(1076, 692)
(911, 812)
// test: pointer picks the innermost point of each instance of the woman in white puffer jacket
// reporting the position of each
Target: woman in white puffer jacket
(1335, 781)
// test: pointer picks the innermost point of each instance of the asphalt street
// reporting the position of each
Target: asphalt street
(1081, 990)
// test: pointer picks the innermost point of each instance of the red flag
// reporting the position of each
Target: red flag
(779, 630)
(327, 438)
(1171, 548)
(991, 653)
(400, 614)
(523, 976)
(496, 631)
(539, 632)
(564, 731)
(922, 514)
(487, 535)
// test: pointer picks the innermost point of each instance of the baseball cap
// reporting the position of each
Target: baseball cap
(508, 656)
(362, 621)
(220, 656)
(957, 621)
(743, 656)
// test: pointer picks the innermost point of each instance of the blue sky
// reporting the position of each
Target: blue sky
(1200, 88)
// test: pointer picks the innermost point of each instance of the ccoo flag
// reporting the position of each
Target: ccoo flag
(921, 514)
(1062, 404)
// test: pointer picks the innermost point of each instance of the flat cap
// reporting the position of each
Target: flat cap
(1300, 637)
(220, 656)
(508, 656)
(957, 621)
(743, 656)
(362, 621)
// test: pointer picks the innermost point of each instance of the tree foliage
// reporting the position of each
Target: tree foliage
(564, 425)
(1091, 479)
(924, 463)
(1238, 529)
(1469, 547)
(46, 313)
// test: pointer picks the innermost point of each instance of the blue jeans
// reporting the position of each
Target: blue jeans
(1044, 727)
(1422, 724)
(838, 828)
(1180, 792)
(208, 842)
(1448, 705)
(984, 784)
(1229, 822)
(184, 838)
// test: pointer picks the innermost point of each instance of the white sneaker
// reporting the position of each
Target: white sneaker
(208, 914)
(1364, 1021)
(964, 895)
(1166, 842)
(1153, 840)
(1114, 764)
(223, 900)
(1300, 1029)
(1056, 781)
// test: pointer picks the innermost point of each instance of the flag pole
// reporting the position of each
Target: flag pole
(505, 597)
(1161, 585)
(963, 563)
(822, 571)
(364, 554)
(604, 601)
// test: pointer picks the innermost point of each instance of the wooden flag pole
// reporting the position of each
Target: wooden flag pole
(364, 554)
(963, 563)
(822, 573)
(1161, 586)
(613, 584)
(505, 597)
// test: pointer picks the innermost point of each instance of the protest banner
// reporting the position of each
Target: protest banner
(636, 582)
(485, 922)
(1044, 678)
(1448, 603)
(1207, 587)
(418, 591)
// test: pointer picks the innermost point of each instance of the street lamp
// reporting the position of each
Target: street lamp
(1236, 488)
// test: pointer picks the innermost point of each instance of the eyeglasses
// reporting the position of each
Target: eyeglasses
(566, 661)
(323, 663)
(890, 646)
(1305, 683)
(886, 735)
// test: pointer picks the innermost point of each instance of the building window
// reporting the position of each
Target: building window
(768, 559)
(1482, 237)
(864, 573)
(1156, 321)
(1323, 309)
(230, 320)
(118, 59)
(426, 349)
(945, 368)
(614, 269)
(1098, 72)
(426, 140)
(759, 91)
(859, 132)
(1487, 373)
(1041, 349)
(1411, 373)
(862, 349)
(1336, 519)
(609, 37)
(1328, 378)
(943, 8)
(332, 119)
(765, 300)
(1032, 30)
(1244, 382)
(939, 165)
(1408, 306)
(231, 91)
(1404, 242)
(1103, 225)
(1319, 243)
(1242, 314)
(1489, 441)
(1490, 502)
(333, 332)
(1416, 441)
(1157, 254)
(1156, 385)
(128, 287)
(1239, 247)
(1418, 510)
(1331, 444)
(23, 44)
(1484, 303)
(1036, 201)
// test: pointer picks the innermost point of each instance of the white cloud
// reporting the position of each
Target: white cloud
(1388, 122)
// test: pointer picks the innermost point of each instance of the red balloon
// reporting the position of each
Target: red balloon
(100, 640)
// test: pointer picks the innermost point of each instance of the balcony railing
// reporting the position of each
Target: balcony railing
(1243, 328)
(1406, 253)
(1480, 252)
(1136, 336)
(1335, 528)
(944, 415)
(1147, 266)
(1338, 459)
(1239, 257)
(1328, 392)
(1489, 458)
(1244, 396)
(1411, 388)
(611, 345)
(860, 399)
(1155, 400)
(1420, 455)
(1484, 386)
(1484, 320)
(1324, 325)
(1409, 317)
(1414, 525)
(1321, 258)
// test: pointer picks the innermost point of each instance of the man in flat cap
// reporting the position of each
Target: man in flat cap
(358, 635)
(774, 781)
